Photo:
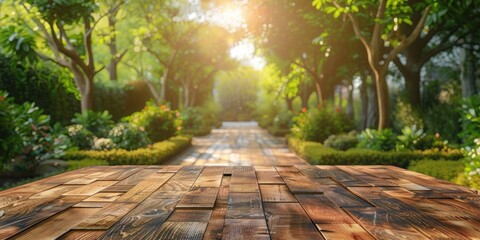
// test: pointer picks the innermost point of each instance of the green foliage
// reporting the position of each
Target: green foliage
(80, 136)
(410, 138)
(381, 140)
(99, 123)
(472, 164)
(113, 96)
(318, 124)
(342, 141)
(69, 12)
(155, 154)
(470, 120)
(441, 169)
(128, 136)
(159, 122)
(24, 81)
(27, 138)
(194, 121)
(16, 42)
(406, 116)
(103, 144)
(316, 153)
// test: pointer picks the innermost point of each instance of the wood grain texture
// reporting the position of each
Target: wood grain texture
(240, 202)
(276, 193)
(289, 221)
(57, 225)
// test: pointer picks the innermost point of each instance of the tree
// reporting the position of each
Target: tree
(376, 26)
(451, 24)
(66, 27)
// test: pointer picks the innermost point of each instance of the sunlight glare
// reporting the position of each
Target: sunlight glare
(244, 51)
(230, 16)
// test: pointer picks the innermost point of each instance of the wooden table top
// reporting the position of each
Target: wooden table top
(240, 202)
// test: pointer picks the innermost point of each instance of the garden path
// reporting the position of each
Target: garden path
(238, 144)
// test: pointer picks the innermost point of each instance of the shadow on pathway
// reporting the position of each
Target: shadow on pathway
(238, 144)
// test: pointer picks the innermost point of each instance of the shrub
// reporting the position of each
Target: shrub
(316, 153)
(77, 164)
(99, 123)
(153, 154)
(470, 120)
(103, 144)
(442, 169)
(27, 138)
(194, 121)
(472, 165)
(342, 141)
(128, 136)
(159, 122)
(377, 139)
(411, 138)
(80, 136)
(318, 124)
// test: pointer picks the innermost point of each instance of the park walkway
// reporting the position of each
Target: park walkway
(238, 144)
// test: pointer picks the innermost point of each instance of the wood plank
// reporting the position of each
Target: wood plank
(190, 215)
(121, 175)
(90, 178)
(217, 220)
(330, 219)
(106, 217)
(137, 177)
(372, 180)
(384, 225)
(269, 177)
(199, 197)
(181, 230)
(50, 227)
(422, 222)
(17, 219)
(90, 189)
(171, 169)
(342, 197)
(144, 221)
(245, 229)
(84, 204)
(81, 235)
(297, 182)
(117, 189)
(145, 188)
(289, 221)
(210, 177)
(103, 197)
(276, 193)
(244, 205)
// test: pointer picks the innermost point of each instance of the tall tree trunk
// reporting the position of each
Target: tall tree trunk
(383, 99)
(364, 104)
(112, 67)
(467, 73)
(412, 87)
(372, 112)
(350, 111)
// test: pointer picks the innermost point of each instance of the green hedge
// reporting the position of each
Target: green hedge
(197, 132)
(316, 153)
(154, 154)
(442, 169)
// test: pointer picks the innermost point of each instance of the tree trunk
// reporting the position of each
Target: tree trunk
(383, 99)
(112, 67)
(412, 87)
(350, 112)
(467, 77)
(372, 111)
(364, 105)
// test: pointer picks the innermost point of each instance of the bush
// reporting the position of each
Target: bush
(195, 122)
(470, 121)
(154, 154)
(99, 123)
(27, 138)
(381, 140)
(316, 153)
(441, 169)
(342, 141)
(411, 138)
(318, 124)
(159, 122)
(128, 136)
(80, 136)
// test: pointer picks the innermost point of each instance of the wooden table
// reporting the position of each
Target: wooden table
(261, 202)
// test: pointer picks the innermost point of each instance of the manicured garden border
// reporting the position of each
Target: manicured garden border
(154, 154)
(317, 154)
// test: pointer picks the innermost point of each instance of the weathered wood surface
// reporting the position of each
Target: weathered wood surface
(240, 202)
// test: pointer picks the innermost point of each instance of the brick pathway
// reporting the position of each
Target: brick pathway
(238, 144)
